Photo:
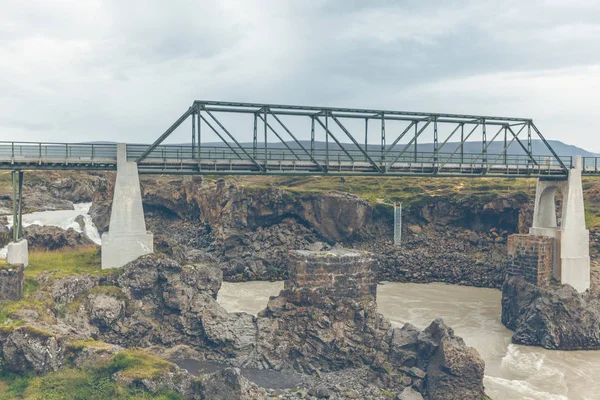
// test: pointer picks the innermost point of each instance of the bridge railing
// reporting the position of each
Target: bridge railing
(591, 165)
(390, 158)
(45, 151)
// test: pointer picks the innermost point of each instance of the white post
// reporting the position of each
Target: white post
(575, 238)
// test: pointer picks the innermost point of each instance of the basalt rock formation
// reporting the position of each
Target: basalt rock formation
(54, 238)
(556, 317)
(326, 319)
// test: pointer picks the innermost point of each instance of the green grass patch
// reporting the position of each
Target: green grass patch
(42, 308)
(137, 365)
(90, 383)
(78, 345)
(84, 260)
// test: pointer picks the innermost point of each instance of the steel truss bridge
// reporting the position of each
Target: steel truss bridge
(300, 140)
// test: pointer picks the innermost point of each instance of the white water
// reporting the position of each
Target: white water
(512, 372)
(64, 219)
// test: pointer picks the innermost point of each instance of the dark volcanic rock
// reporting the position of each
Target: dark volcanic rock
(326, 319)
(454, 371)
(557, 318)
(54, 238)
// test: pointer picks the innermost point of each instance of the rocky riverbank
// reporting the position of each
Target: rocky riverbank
(170, 310)
(556, 317)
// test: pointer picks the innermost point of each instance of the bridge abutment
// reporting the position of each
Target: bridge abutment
(570, 238)
(127, 238)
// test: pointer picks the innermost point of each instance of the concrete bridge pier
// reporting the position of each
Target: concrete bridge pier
(127, 238)
(571, 239)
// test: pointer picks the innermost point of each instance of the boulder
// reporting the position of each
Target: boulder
(556, 317)
(454, 371)
(28, 349)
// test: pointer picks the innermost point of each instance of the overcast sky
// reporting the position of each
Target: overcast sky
(124, 70)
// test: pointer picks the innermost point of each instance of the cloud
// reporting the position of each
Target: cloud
(115, 70)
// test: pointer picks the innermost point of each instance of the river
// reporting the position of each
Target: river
(512, 372)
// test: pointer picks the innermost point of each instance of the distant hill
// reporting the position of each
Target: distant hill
(539, 148)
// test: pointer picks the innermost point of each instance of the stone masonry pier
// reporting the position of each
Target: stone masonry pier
(531, 257)
(337, 273)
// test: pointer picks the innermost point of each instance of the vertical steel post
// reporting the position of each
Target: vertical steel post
(14, 198)
(265, 125)
(435, 141)
(255, 136)
(383, 140)
(529, 145)
(505, 143)
(312, 136)
(193, 134)
(199, 138)
(462, 144)
(416, 139)
(484, 143)
(20, 232)
(327, 140)
(366, 138)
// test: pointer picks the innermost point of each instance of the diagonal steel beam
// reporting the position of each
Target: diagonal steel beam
(297, 141)
(548, 146)
(391, 147)
(490, 142)
(328, 132)
(220, 137)
(279, 137)
(458, 147)
(409, 143)
(527, 153)
(343, 128)
(260, 167)
(449, 136)
(165, 135)
(503, 153)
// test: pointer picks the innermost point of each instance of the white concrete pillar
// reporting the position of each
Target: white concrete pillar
(18, 253)
(127, 238)
(575, 238)
(571, 238)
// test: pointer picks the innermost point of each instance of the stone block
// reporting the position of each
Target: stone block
(11, 283)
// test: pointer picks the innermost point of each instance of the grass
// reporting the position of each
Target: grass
(83, 260)
(65, 263)
(137, 365)
(91, 383)
(408, 190)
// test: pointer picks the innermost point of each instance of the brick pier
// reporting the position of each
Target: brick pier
(531, 257)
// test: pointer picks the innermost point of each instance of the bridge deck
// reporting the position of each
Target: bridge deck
(169, 159)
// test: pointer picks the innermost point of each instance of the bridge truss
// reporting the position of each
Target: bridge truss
(347, 146)
(301, 140)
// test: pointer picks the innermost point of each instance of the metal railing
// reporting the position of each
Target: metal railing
(591, 165)
(187, 154)
(44, 152)
(261, 160)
